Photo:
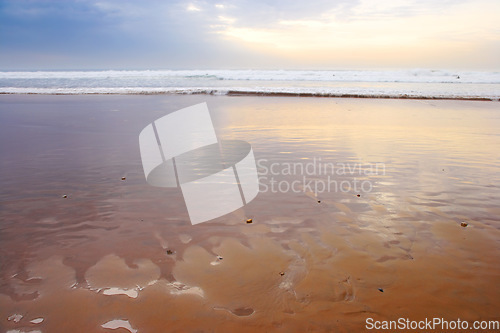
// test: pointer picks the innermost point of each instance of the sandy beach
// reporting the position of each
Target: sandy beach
(368, 208)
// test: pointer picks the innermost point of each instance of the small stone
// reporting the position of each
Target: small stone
(464, 224)
(64, 196)
(249, 221)
(381, 290)
(319, 201)
(358, 195)
(123, 178)
(219, 258)
(282, 273)
(169, 252)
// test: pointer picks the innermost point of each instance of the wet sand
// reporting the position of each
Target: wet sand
(86, 251)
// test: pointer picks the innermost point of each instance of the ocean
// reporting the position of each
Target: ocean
(415, 83)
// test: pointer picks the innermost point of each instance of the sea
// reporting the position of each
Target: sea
(403, 83)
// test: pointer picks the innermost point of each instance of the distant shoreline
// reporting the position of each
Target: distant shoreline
(389, 84)
(237, 93)
(263, 94)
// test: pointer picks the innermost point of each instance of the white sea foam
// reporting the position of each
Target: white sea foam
(36, 320)
(15, 318)
(414, 75)
(132, 293)
(119, 323)
(417, 83)
(178, 288)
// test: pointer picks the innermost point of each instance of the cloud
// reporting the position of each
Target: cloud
(239, 33)
(193, 8)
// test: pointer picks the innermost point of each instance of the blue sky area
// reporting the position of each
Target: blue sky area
(264, 34)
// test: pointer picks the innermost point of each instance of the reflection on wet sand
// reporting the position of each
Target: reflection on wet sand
(118, 254)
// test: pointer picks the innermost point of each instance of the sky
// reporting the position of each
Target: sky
(253, 34)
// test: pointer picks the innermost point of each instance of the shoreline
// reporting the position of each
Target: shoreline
(235, 93)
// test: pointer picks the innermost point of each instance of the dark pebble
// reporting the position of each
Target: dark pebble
(123, 178)
(65, 196)
(358, 195)
(464, 224)
(381, 290)
(249, 221)
(170, 252)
